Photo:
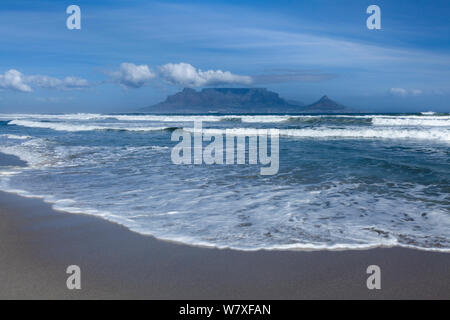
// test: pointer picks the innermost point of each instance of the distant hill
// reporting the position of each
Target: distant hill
(326, 105)
(237, 100)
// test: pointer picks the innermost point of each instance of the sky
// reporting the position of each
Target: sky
(132, 54)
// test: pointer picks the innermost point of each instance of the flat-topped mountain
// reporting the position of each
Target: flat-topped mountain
(223, 100)
(237, 100)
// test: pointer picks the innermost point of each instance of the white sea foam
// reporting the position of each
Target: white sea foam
(158, 118)
(369, 133)
(172, 118)
(443, 117)
(70, 206)
(15, 137)
(208, 118)
(440, 135)
(264, 119)
(39, 153)
(8, 173)
(93, 116)
(69, 116)
(123, 181)
(59, 126)
(408, 121)
(35, 152)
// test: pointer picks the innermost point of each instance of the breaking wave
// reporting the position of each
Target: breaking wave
(82, 127)
(439, 135)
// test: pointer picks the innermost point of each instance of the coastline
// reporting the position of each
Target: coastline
(37, 244)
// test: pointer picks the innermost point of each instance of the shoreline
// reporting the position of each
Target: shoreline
(11, 160)
(213, 247)
(206, 246)
(38, 243)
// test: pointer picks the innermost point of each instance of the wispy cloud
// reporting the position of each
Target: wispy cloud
(292, 76)
(68, 83)
(53, 99)
(405, 92)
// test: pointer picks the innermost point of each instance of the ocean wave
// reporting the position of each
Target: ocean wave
(157, 118)
(15, 137)
(418, 129)
(34, 152)
(94, 116)
(125, 184)
(68, 116)
(213, 118)
(58, 126)
(41, 153)
(402, 116)
(441, 135)
(389, 193)
(408, 121)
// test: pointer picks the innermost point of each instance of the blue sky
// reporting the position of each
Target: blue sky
(132, 54)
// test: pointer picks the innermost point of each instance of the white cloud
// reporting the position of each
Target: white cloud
(131, 75)
(399, 91)
(184, 74)
(54, 83)
(14, 80)
(405, 92)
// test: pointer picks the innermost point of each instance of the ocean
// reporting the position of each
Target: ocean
(344, 181)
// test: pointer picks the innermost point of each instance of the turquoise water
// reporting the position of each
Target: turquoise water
(345, 181)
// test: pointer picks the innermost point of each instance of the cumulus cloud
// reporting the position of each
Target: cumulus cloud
(14, 80)
(17, 81)
(405, 92)
(184, 74)
(131, 75)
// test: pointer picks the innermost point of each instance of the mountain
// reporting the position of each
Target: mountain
(223, 100)
(326, 105)
(237, 100)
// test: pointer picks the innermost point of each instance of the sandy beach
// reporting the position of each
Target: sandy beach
(37, 244)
